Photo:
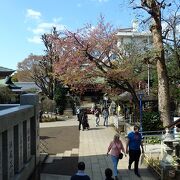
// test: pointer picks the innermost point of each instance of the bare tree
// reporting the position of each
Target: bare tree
(154, 8)
(171, 32)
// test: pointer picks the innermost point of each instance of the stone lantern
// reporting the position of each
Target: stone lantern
(167, 166)
(68, 109)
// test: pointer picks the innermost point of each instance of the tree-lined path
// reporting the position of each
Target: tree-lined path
(67, 146)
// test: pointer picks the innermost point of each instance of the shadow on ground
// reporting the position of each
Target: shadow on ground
(60, 139)
(66, 166)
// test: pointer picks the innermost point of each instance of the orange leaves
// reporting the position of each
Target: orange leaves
(120, 73)
(90, 54)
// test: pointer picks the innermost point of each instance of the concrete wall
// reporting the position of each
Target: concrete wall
(7, 106)
(19, 138)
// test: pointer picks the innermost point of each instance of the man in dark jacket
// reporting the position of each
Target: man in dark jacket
(80, 175)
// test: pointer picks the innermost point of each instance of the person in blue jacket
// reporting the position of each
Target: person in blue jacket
(133, 145)
(80, 175)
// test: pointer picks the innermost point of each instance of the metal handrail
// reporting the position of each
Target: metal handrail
(43, 146)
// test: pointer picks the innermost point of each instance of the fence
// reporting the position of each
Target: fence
(19, 138)
(43, 146)
(119, 123)
(155, 149)
(153, 146)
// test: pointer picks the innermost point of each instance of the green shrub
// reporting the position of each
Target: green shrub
(153, 140)
(6, 95)
(48, 105)
(60, 98)
(151, 121)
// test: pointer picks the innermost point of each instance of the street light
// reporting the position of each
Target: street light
(148, 79)
(140, 109)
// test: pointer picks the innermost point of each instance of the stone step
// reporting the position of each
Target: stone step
(44, 176)
(43, 157)
(50, 159)
(75, 151)
(53, 157)
(59, 156)
(67, 154)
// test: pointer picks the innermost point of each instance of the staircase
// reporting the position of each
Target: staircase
(59, 156)
(55, 166)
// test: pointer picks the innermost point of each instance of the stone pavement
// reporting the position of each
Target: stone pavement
(92, 150)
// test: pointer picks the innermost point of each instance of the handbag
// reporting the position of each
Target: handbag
(120, 155)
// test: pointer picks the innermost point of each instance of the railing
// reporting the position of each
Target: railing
(155, 148)
(19, 139)
(43, 146)
(119, 123)
(154, 164)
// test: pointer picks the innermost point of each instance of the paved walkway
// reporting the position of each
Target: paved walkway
(92, 150)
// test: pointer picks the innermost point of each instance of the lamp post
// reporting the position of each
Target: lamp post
(148, 79)
(140, 110)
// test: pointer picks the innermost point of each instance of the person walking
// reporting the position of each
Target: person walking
(84, 120)
(97, 116)
(108, 174)
(80, 116)
(80, 175)
(78, 110)
(133, 145)
(115, 148)
(105, 114)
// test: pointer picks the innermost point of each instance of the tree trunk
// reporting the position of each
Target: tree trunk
(163, 85)
(136, 110)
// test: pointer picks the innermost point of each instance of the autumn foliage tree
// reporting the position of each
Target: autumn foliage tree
(37, 69)
(24, 69)
(90, 58)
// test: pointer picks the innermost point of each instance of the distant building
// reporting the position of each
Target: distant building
(142, 40)
(5, 78)
(132, 35)
(5, 72)
(18, 87)
(28, 86)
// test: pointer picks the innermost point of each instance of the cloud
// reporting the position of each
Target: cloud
(41, 28)
(101, 1)
(46, 27)
(35, 39)
(79, 5)
(164, 25)
(57, 19)
(33, 14)
(178, 28)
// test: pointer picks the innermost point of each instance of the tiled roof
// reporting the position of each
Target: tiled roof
(27, 85)
(3, 69)
(125, 29)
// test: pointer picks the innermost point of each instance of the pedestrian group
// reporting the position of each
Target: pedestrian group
(134, 148)
(134, 145)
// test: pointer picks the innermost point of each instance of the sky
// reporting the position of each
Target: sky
(24, 21)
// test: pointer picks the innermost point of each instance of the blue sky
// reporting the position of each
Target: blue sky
(24, 21)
